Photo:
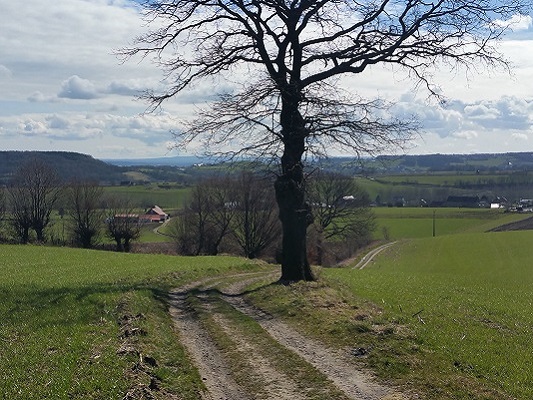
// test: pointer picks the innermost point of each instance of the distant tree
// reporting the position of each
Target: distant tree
(122, 223)
(20, 220)
(293, 55)
(341, 211)
(206, 219)
(256, 223)
(33, 191)
(83, 207)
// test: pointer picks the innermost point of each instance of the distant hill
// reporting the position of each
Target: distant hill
(431, 163)
(187, 169)
(177, 161)
(69, 166)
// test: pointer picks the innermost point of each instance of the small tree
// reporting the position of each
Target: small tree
(341, 211)
(20, 213)
(83, 207)
(206, 219)
(256, 224)
(123, 224)
(33, 192)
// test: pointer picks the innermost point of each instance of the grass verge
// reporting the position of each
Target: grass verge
(62, 310)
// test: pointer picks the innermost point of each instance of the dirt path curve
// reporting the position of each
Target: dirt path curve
(215, 371)
(367, 259)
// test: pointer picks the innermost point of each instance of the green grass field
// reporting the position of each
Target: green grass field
(170, 199)
(467, 299)
(405, 222)
(449, 316)
(60, 310)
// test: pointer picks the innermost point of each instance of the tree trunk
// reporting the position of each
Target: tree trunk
(295, 216)
(294, 212)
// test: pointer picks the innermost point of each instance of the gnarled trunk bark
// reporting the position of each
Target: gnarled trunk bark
(294, 212)
(295, 215)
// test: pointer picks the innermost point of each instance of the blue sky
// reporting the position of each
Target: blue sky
(62, 88)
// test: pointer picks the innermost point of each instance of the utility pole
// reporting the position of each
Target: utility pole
(434, 211)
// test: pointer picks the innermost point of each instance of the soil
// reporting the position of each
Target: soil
(339, 367)
(525, 224)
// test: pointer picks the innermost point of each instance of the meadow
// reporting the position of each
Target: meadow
(447, 316)
(467, 300)
(409, 222)
(168, 197)
(61, 311)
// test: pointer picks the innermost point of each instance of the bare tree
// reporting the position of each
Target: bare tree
(123, 223)
(83, 207)
(292, 55)
(341, 210)
(206, 219)
(20, 212)
(256, 225)
(34, 190)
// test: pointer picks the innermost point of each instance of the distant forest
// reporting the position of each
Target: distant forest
(69, 166)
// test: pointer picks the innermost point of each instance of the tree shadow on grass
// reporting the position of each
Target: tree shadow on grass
(35, 307)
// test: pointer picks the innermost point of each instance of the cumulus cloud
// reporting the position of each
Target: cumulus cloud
(78, 88)
(39, 97)
(520, 136)
(516, 23)
(473, 121)
(148, 130)
(125, 88)
(57, 122)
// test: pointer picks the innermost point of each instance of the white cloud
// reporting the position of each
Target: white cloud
(39, 97)
(147, 130)
(516, 22)
(78, 88)
(466, 135)
(520, 136)
(67, 56)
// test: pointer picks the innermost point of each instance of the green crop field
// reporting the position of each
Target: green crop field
(168, 197)
(402, 222)
(59, 313)
(468, 300)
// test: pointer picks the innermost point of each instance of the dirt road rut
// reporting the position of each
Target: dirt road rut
(243, 353)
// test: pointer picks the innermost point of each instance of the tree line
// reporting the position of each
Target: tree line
(230, 213)
(238, 214)
(35, 190)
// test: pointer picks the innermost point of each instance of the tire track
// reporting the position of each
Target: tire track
(356, 384)
(215, 372)
(367, 259)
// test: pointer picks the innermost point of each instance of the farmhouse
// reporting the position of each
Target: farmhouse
(154, 214)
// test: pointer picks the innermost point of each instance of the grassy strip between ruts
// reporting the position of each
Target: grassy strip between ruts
(448, 318)
(261, 349)
(66, 313)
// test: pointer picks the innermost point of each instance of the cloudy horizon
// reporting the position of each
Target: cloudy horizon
(63, 88)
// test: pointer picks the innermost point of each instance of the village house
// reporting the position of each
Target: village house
(154, 214)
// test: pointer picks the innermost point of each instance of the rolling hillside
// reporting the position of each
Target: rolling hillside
(68, 165)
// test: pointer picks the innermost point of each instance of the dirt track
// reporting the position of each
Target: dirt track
(258, 374)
